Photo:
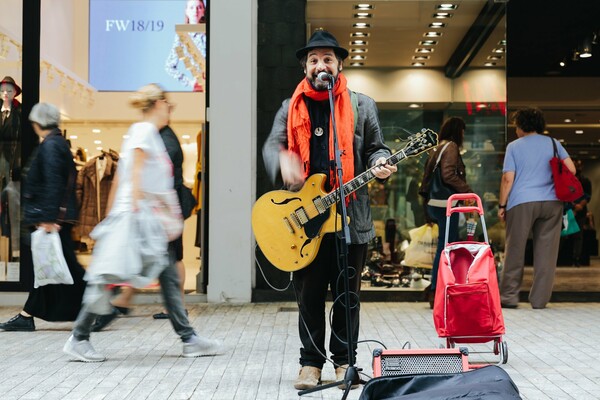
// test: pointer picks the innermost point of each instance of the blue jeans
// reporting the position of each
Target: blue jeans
(169, 287)
(438, 214)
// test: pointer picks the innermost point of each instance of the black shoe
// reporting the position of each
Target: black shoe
(102, 321)
(19, 323)
(164, 315)
(122, 310)
(509, 305)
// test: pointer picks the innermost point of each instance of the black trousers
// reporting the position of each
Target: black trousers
(312, 284)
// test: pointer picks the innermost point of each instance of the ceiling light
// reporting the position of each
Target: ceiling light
(359, 34)
(358, 57)
(502, 42)
(185, 136)
(99, 148)
(579, 132)
(97, 141)
(420, 57)
(575, 56)
(361, 25)
(356, 64)
(495, 58)
(498, 50)
(73, 137)
(446, 6)
(489, 64)
(418, 64)
(428, 42)
(423, 50)
(363, 15)
(561, 140)
(414, 105)
(358, 50)
(562, 63)
(432, 34)
(586, 49)
(125, 136)
(359, 43)
(437, 25)
(363, 6)
(442, 15)
(568, 120)
(96, 130)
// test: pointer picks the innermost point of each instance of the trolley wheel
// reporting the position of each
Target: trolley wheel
(497, 344)
(504, 351)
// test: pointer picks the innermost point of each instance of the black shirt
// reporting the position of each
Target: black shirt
(320, 159)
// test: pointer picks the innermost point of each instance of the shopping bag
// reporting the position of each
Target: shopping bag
(422, 248)
(569, 224)
(49, 265)
(167, 210)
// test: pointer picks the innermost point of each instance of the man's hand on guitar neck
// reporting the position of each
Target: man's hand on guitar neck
(383, 170)
(291, 170)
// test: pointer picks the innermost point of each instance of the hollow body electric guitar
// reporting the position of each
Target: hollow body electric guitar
(289, 226)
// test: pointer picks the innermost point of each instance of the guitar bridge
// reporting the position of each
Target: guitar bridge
(288, 225)
(302, 216)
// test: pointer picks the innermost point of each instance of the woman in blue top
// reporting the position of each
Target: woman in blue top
(528, 203)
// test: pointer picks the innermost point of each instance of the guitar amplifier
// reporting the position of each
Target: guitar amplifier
(422, 361)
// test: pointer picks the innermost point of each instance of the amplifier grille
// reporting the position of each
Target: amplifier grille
(421, 364)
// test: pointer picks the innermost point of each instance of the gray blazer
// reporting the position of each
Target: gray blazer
(368, 147)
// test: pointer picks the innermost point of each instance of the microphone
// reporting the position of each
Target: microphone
(325, 77)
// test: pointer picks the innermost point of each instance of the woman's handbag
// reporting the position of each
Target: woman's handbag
(438, 190)
(567, 186)
(167, 210)
(188, 201)
(49, 265)
(569, 224)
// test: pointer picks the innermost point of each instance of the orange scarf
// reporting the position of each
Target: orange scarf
(299, 127)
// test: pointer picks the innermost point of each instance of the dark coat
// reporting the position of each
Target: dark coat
(10, 135)
(46, 184)
(87, 190)
(452, 169)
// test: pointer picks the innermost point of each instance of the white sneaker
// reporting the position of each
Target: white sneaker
(82, 350)
(197, 346)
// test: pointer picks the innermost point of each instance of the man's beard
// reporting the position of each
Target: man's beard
(318, 84)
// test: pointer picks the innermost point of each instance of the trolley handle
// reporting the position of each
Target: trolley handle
(464, 209)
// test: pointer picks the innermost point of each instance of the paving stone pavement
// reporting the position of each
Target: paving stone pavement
(553, 353)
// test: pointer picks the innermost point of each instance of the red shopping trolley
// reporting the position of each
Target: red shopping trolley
(467, 299)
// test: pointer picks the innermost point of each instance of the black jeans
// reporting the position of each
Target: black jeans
(312, 284)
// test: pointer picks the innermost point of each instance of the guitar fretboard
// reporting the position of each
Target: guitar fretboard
(361, 180)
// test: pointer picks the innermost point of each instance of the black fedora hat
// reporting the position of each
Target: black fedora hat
(322, 39)
(10, 80)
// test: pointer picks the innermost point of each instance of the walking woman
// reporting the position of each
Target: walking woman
(49, 203)
(144, 170)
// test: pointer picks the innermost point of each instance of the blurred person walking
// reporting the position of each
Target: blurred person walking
(144, 169)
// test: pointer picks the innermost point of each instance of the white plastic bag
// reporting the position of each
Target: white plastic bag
(423, 245)
(49, 265)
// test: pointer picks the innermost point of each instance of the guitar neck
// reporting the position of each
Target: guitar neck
(361, 180)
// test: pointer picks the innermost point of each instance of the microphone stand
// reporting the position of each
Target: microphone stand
(352, 376)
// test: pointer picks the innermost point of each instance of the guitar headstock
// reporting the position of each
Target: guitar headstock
(420, 142)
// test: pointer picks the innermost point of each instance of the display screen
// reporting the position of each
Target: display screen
(134, 42)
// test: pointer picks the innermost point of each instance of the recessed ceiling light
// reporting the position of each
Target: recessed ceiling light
(423, 50)
(499, 50)
(185, 136)
(489, 64)
(86, 150)
(359, 34)
(358, 50)
(96, 130)
(99, 148)
(361, 15)
(502, 42)
(579, 132)
(428, 42)
(568, 120)
(356, 64)
(561, 140)
(97, 141)
(361, 25)
(437, 25)
(432, 34)
(562, 63)
(446, 6)
(363, 6)
(442, 15)
(73, 137)
(494, 58)
(418, 64)
(359, 43)
(358, 57)
(420, 58)
(414, 105)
